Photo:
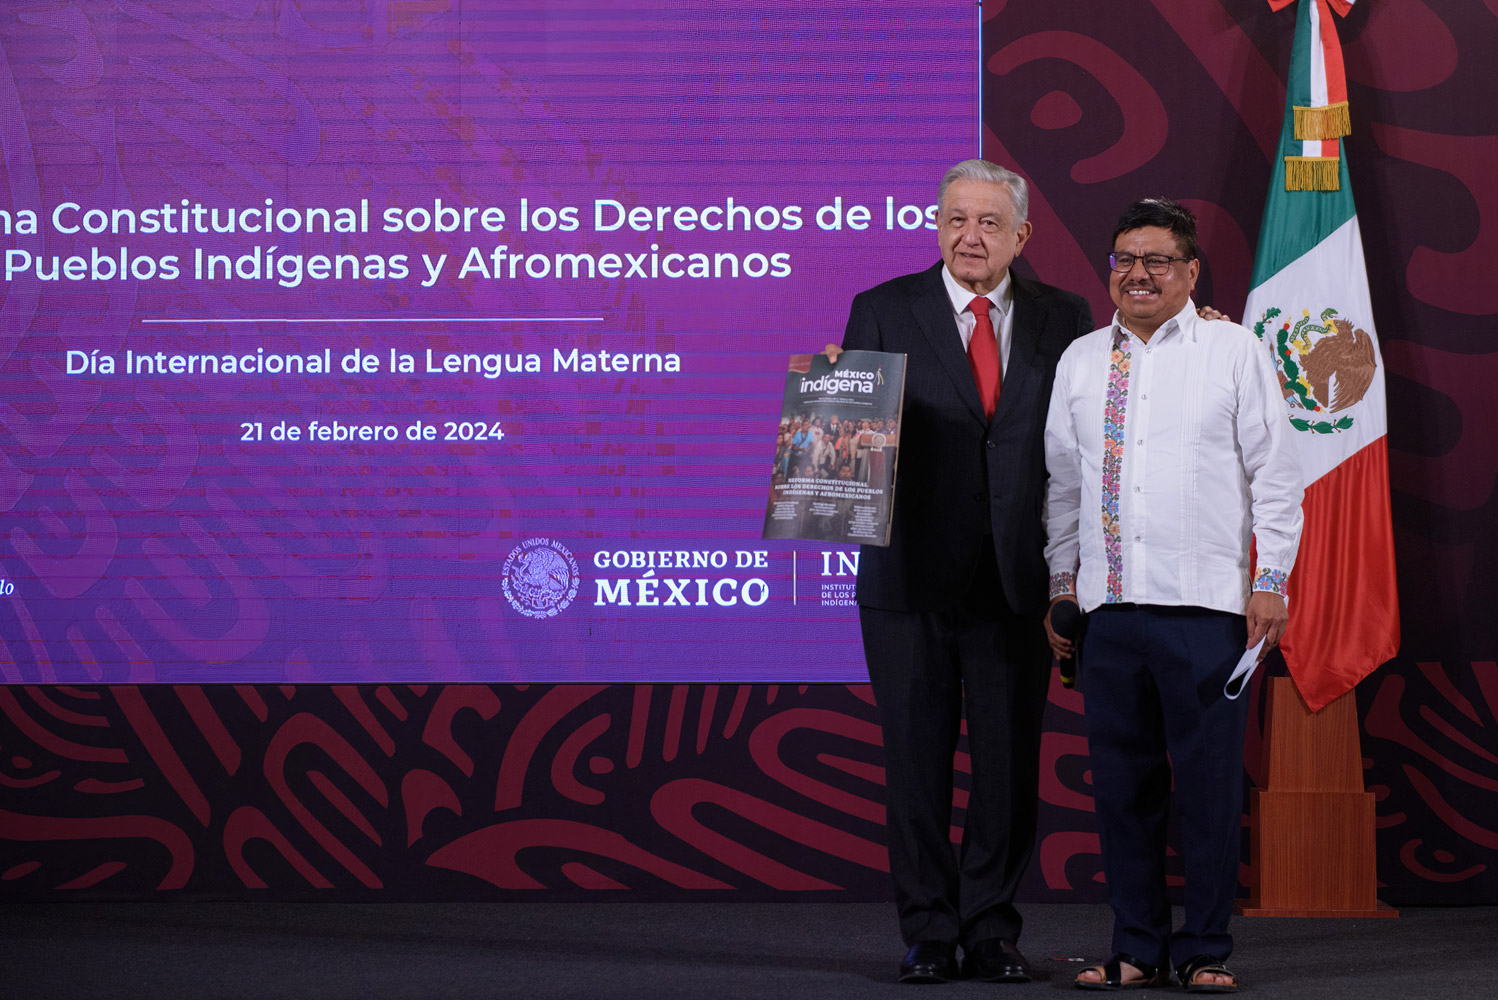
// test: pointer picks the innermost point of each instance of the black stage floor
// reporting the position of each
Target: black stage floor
(430, 951)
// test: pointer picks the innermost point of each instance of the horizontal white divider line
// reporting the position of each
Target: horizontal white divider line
(389, 319)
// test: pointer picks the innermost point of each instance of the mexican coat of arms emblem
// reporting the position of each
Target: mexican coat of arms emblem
(1324, 366)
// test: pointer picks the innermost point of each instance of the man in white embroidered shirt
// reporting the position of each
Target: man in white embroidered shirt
(1168, 456)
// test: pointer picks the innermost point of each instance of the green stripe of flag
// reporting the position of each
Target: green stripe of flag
(1295, 221)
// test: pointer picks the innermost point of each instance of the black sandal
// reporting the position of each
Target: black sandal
(1111, 972)
(1188, 970)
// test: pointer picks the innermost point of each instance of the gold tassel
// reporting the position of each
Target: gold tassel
(1312, 173)
(1330, 121)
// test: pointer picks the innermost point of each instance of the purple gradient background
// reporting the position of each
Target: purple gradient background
(146, 542)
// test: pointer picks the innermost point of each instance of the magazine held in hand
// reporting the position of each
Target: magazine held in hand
(834, 474)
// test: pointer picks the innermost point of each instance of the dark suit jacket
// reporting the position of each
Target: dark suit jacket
(962, 478)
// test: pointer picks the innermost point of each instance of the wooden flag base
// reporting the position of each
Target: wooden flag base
(1311, 836)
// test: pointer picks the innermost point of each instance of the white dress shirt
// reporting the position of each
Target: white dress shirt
(1201, 465)
(1000, 313)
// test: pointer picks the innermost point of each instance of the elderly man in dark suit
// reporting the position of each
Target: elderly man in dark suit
(951, 610)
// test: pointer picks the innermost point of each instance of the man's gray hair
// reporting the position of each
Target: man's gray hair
(982, 170)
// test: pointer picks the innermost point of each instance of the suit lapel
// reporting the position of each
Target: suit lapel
(1021, 377)
(933, 313)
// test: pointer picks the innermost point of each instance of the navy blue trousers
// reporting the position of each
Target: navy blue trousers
(1153, 678)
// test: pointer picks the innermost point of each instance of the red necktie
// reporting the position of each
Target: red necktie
(983, 355)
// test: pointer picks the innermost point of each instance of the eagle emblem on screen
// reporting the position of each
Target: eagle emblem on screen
(540, 577)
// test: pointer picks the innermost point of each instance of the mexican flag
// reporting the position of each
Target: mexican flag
(1310, 306)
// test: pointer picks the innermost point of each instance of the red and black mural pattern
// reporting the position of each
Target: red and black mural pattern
(462, 791)
(586, 791)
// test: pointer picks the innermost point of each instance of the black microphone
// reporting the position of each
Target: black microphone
(1066, 621)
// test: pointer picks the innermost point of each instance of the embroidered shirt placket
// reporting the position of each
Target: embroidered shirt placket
(1115, 441)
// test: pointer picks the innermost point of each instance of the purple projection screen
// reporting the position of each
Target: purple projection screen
(440, 340)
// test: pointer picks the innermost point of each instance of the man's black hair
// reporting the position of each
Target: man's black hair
(1165, 213)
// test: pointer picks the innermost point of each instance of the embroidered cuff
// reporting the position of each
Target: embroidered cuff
(1063, 583)
(1272, 580)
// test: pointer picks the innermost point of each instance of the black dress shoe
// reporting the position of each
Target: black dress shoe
(996, 960)
(929, 962)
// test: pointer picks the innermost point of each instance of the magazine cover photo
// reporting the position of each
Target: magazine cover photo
(833, 477)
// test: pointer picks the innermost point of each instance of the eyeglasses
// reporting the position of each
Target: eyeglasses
(1155, 263)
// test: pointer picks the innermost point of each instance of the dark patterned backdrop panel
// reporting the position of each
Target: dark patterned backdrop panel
(441, 791)
(756, 791)
(584, 791)
(1185, 98)
(468, 791)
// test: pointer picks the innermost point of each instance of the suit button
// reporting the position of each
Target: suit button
(992, 445)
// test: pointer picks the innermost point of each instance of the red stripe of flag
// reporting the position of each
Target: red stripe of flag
(1344, 612)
